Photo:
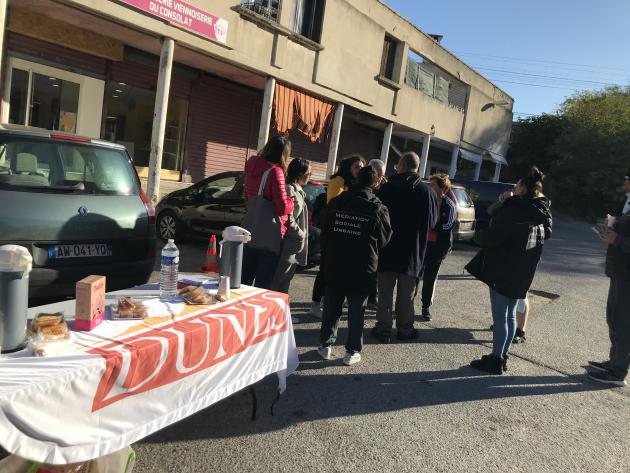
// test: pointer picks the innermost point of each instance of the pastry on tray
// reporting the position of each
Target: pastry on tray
(195, 295)
(130, 309)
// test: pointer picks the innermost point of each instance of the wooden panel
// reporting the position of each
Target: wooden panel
(35, 25)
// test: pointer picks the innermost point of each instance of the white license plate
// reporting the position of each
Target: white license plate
(79, 251)
(465, 226)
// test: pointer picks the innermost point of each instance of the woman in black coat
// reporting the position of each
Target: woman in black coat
(511, 249)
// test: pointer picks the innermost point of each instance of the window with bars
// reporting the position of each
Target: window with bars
(388, 59)
(270, 9)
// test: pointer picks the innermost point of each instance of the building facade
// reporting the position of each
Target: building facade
(194, 88)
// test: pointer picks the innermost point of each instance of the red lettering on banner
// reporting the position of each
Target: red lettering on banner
(169, 353)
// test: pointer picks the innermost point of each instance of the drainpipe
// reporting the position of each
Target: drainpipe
(159, 119)
(265, 117)
(334, 141)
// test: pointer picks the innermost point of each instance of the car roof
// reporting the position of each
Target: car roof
(9, 129)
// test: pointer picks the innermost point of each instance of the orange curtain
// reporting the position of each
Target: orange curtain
(296, 110)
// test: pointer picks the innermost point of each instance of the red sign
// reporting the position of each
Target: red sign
(180, 349)
(186, 16)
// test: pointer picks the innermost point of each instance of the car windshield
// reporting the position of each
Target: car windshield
(462, 197)
(55, 166)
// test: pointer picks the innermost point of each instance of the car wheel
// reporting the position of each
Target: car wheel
(168, 227)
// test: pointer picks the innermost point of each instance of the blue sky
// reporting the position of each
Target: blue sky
(554, 46)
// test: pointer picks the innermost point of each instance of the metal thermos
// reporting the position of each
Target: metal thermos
(15, 265)
(231, 254)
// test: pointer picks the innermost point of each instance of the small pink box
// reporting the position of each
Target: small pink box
(90, 304)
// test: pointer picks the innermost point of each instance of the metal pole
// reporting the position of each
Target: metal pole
(387, 141)
(4, 109)
(334, 140)
(454, 155)
(426, 142)
(159, 119)
(265, 117)
(497, 173)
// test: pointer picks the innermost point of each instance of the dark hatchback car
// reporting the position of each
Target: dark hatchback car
(210, 205)
(77, 205)
(483, 194)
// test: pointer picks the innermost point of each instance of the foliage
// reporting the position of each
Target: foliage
(584, 150)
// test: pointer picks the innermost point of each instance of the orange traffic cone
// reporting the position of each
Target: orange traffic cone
(211, 265)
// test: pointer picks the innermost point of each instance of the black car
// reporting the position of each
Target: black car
(483, 194)
(211, 205)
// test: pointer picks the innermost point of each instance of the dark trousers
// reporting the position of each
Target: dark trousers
(318, 286)
(432, 263)
(259, 267)
(405, 286)
(333, 304)
(618, 319)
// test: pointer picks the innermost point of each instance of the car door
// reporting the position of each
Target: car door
(208, 215)
(234, 204)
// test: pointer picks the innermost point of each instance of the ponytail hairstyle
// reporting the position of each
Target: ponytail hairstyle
(442, 180)
(298, 167)
(277, 151)
(345, 167)
(533, 182)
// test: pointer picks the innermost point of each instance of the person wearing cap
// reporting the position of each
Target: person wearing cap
(617, 236)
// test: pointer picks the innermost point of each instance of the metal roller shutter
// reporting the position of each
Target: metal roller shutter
(222, 127)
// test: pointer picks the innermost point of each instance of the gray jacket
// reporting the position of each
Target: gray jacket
(295, 243)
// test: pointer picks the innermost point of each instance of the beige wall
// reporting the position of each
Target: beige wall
(345, 69)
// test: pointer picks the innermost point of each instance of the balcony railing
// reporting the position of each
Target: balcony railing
(269, 9)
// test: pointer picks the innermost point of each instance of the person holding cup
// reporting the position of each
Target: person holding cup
(617, 236)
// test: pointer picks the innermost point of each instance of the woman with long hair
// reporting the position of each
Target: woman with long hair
(345, 176)
(511, 249)
(295, 244)
(259, 266)
(439, 240)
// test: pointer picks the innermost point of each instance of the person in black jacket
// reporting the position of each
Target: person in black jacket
(413, 211)
(440, 240)
(356, 227)
(614, 370)
(511, 249)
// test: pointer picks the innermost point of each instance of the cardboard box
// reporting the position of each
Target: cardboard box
(90, 305)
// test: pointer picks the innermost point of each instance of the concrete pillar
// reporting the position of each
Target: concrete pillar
(454, 156)
(5, 71)
(159, 119)
(387, 141)
(334, 141)
(265, 117)
(424, 157)
(497, 172)
(477, 170)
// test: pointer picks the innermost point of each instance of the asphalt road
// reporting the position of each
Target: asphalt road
(416, 406)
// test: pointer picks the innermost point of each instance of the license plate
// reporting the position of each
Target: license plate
(465, 226)
(79, 251)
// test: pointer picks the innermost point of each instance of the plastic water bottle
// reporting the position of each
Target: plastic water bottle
(168, 272)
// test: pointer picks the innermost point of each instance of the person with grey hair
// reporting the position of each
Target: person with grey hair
(379, 166)
(412, 206)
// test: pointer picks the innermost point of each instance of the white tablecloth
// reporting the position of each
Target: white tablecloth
(128, 379)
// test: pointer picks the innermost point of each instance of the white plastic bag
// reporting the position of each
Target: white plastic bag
(121, 461)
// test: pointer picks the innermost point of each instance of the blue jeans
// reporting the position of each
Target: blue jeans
(333, 305)
(504, 318)
(259, 267)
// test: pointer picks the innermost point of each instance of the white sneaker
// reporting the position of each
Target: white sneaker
(351, 358)
(316, 311)
(325, 352)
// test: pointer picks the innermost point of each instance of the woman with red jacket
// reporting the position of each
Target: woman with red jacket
(259, 266)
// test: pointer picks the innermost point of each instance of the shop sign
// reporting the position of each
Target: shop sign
(186, 16)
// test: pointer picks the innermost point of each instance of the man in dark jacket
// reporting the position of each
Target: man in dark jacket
(356, 227)
(412, 208)
(615, 369)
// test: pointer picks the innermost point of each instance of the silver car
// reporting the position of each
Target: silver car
(77, 205)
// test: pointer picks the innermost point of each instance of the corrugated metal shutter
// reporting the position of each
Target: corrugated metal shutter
(143, 76)
(316, 153)
(49, 52)
(361, 140)
(222, 127)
